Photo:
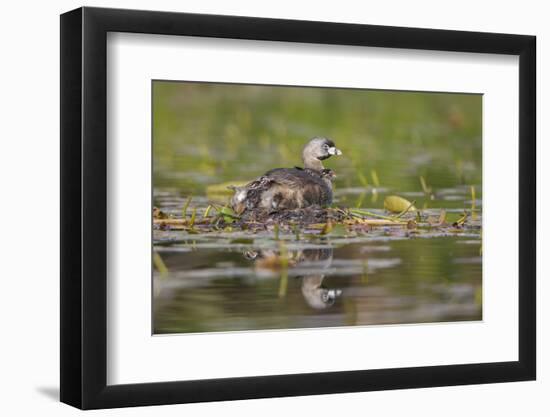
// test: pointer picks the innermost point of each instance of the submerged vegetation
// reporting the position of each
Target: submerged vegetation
(400, 243)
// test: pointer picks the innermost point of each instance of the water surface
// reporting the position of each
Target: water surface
(424, 147)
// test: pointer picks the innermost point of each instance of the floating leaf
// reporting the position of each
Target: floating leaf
(228, 214)
(396, 204)
(339, 230)
(409, 207)
(327, 228)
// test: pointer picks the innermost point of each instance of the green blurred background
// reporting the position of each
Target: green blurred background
(211, 133)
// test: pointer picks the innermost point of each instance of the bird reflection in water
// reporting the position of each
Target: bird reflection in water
(299, 262)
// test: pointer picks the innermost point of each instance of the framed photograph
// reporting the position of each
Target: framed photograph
(257, 208)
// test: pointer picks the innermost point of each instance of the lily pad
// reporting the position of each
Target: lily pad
(396, 204)
(228, 214)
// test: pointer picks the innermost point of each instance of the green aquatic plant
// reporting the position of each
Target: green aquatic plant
(186, 206)
(365, 213)
(362, 179)
(425, 188)
(193, 217)
(375, 179)
(359, 201)
(207, 211)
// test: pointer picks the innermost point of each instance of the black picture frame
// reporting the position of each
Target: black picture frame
(84, 207)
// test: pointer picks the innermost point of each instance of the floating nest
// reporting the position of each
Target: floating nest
(300, 217)
(313, 217)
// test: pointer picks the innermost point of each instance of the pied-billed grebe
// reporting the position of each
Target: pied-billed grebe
(290, 188)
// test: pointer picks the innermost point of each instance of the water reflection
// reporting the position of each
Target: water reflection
(315, 294)
(217, 284)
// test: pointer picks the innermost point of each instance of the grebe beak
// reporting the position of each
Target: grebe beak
(334, 151)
